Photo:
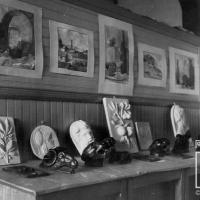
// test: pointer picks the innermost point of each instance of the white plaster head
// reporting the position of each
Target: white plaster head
(179, 121)
(81, 135)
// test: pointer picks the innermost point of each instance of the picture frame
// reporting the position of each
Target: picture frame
(184, 71)
(116, 56)
(21, 51)
(152, 66)
(71, 50)
(120, 124)
(144, 136)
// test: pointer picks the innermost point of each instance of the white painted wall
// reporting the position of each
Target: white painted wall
(167, 11)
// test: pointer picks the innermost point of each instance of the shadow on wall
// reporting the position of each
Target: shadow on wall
(169, 11)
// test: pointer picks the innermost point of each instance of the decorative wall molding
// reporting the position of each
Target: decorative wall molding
(51, 95)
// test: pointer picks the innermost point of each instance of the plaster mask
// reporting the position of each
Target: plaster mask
(178, 119)
(81, 135)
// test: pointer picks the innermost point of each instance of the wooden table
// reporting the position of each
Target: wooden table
(171, 178)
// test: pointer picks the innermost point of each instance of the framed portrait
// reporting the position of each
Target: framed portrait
(184, 71)
(21, 51)
(152, 66)
(71, 50)
(116, 56)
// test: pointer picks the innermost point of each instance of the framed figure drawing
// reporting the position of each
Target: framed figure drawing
(21, 51)
(71, 50)
(152, 66)
(184, 71)
(116, 56)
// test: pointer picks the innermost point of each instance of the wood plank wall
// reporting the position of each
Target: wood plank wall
(60, 114)
(29, 105)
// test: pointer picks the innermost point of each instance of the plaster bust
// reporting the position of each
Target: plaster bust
(81, 135)
(179, 122)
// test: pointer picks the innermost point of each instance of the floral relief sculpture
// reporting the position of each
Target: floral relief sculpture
(9, 153)
(121, 112)
(118, 114)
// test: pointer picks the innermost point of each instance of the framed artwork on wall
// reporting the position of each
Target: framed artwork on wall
(71, 50)
(116, 56)
(152, 66)
(184, 71)
(21, 51)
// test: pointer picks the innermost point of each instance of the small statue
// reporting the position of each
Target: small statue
(181, 129)
(91, 151)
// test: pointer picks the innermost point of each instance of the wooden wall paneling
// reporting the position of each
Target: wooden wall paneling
(66, 116)
(47, 113)
(59, 127)
(92, 113)
(19, 125)
(59, 115)
(54, 115)
(3, 107)
(39, 112)
(26, 130)
(71, 108)
(80, 111)
(18, 109)
(101, 116)
(10, 107)
(193, 116)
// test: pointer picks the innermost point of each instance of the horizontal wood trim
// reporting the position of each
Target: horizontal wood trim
(52, 95)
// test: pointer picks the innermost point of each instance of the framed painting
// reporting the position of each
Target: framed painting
(184, 71)
(120, 124)
(152, 66)
(21, 51)
(116, 56)
(71, 49)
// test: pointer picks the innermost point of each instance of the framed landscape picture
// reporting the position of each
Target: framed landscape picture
(184, 71)
(116, 56)
(152, 66)
(21, 51)
(71, 50)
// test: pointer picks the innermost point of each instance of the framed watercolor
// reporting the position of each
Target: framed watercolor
(71, 49)
(184, 71)
(152, 66)
(21, 51)
(120, 124)
(116, 56)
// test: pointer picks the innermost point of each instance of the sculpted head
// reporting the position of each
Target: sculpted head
(180, 122)
(81, 135)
